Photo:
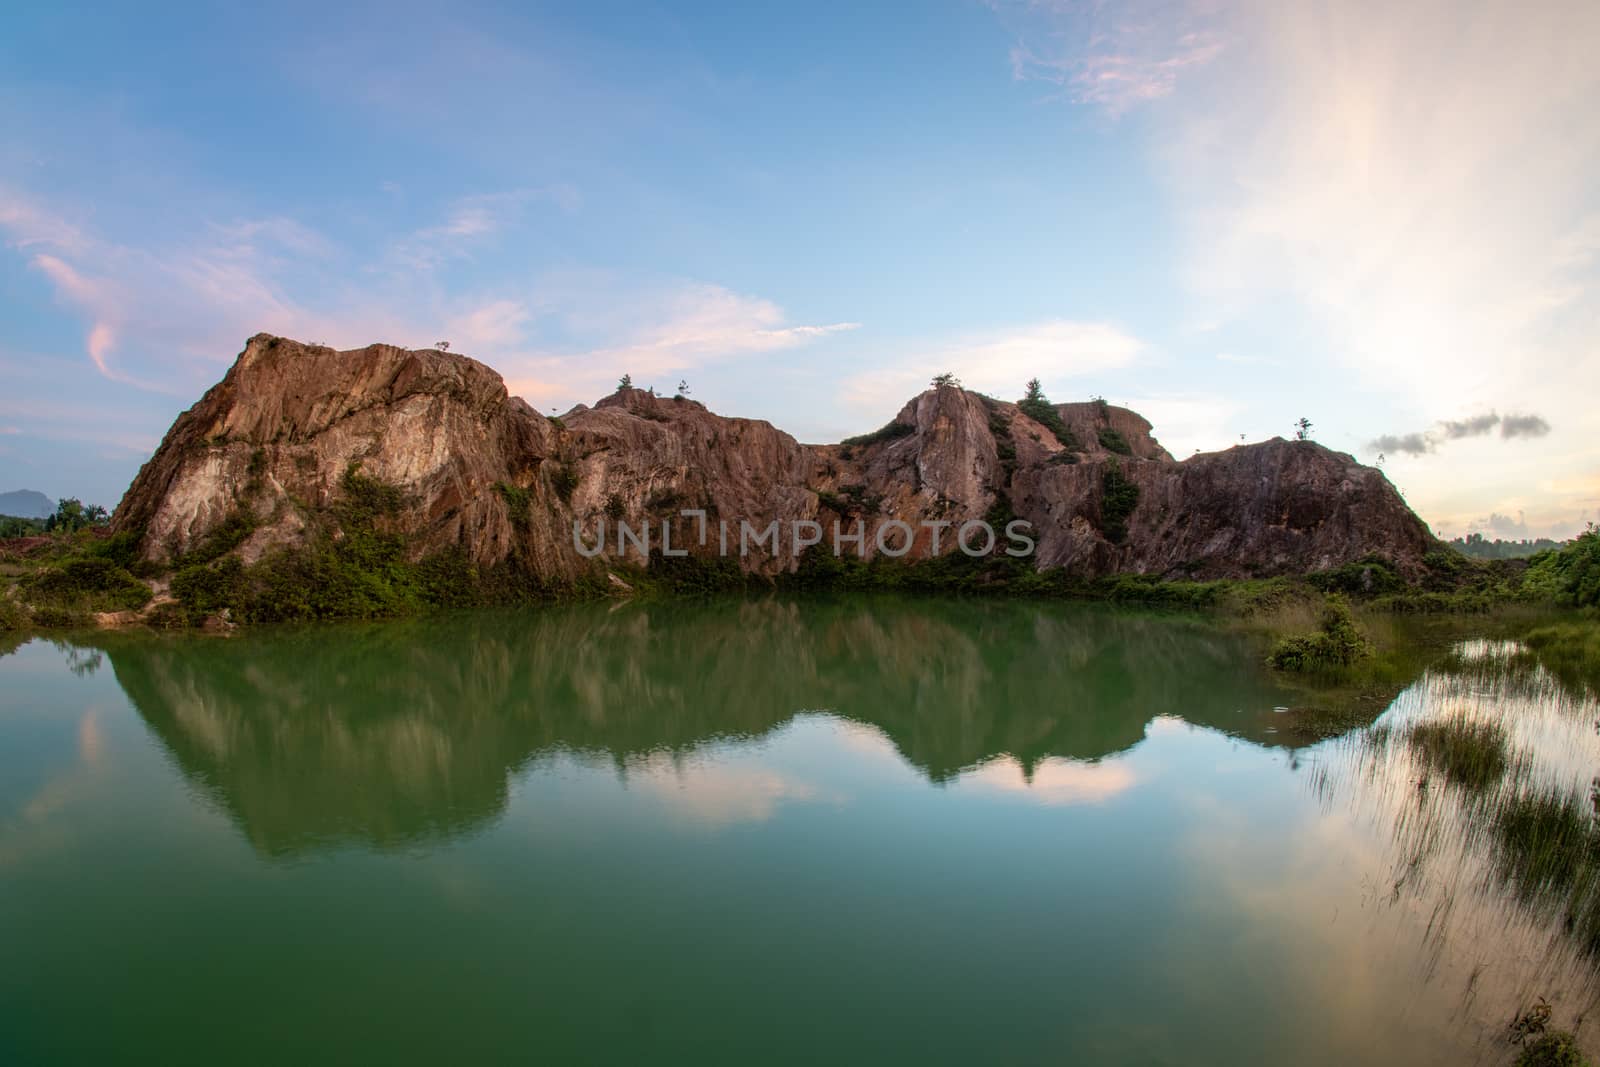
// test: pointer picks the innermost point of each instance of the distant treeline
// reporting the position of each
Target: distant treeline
(70, 516)
(1479, 547)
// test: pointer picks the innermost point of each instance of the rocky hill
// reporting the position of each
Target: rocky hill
(26, 504)
(482, 472)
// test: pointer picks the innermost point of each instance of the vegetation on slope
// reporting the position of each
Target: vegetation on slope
(66, 569)
(1118, 497)
(1569, 575)
(354, 564)
(1037, 407)
(889, 432)
(1112, 441)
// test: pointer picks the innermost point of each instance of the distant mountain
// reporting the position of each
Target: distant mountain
(27, 504)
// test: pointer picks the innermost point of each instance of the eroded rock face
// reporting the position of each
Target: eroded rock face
(647, 458)
(483, 472)
(280, 430)
(1278, 507)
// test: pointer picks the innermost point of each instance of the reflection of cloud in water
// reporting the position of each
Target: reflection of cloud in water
(714, 792)
(91, 744)
(36, 826)
(1054, 781)
(868, 742)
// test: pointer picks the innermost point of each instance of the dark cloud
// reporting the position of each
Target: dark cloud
(1504, 525)
(1476, 426)
(1415, 444)
(1523, 426)
(1423, 442)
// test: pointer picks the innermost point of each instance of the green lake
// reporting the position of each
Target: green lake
(765, 831)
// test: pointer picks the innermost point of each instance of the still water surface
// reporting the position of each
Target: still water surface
(753, 831)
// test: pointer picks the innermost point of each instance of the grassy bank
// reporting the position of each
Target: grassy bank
(354, 564)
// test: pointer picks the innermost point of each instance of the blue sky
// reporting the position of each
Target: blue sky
(1225, 214)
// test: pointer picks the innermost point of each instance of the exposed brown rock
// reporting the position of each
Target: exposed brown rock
(485, 473)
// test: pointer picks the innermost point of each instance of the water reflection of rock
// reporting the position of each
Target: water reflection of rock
(401, 732)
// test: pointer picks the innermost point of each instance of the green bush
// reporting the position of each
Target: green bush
(206, 589)
(1118, 497)
(47, 617)
(832, 501)
(1463, 603)
(952, 572)
(220, 539)
(1570, 650)
(449, 579)
(365, 500)
(1113, 441)
(87, 583)
(12, 526)
(1337, 643)
(1005, 446)
(518, 501)
(664, 499)
(12, 615)
(1368, 576)
(295, 585)
(890, 432)
(1037, 407)
(362, 573)
(1558, 1048)
(696, 574)
(1569, 575)
(564, 480)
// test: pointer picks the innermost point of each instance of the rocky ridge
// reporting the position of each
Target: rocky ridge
(483, 473)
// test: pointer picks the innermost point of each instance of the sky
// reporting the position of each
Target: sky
(1383, 217)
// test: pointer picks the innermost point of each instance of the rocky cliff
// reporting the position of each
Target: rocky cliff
(482, 472)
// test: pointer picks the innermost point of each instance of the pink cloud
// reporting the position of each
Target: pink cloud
(1112, 56)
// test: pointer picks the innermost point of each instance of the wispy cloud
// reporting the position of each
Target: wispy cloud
(1114, 56)
(192, 301)
(1057, 352)
(557, 338)
(472, 220)
(1410, 184)
(651, 334)
(490, 325)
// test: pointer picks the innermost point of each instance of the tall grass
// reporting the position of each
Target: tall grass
(1468, 752)
(1570, 650)
(1336, 643)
